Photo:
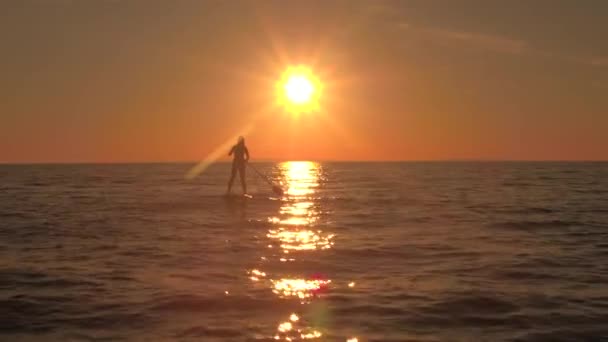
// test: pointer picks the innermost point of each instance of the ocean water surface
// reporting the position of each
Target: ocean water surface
(351, 252)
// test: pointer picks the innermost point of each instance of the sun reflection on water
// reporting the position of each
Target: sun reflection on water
(300, 288)
(290, 330)
(298, 209)
(298, 214)
(255, 275)
(301, 239)
(295, 233)
(302, 177)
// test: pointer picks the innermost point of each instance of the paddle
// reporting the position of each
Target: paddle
(275, 188)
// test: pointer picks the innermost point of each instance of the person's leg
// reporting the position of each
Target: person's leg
(232, 175)
(242, 169)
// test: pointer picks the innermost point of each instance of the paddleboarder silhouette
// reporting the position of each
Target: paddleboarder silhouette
(240, 155)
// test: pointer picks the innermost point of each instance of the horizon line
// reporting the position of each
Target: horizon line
(463, 160)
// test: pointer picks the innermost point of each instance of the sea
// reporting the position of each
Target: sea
(396, 251)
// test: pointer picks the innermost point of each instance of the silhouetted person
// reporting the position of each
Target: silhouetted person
(239, 163)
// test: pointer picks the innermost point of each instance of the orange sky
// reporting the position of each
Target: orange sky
(130, 81)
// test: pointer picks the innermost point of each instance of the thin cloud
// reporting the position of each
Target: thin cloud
(598, 61)
(479, 40)
(378, 8)
(484, 41)
(402, 25)
(496, 43)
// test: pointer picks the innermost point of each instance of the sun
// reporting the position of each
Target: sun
(299, 90)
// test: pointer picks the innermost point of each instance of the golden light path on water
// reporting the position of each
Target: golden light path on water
(293, 229)
(294, 233)
(301, 288)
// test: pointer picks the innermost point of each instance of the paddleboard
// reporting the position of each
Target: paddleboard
(238, 196)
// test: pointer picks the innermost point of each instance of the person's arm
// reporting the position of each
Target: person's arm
(231, 151)
(246, 154)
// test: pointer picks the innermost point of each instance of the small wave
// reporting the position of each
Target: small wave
(479, 304)
(592, 191)
(567, 335)
(367, 253)
(467, 311)
(526, 275)
(528, 210)
(531, 225)
(15, 278)
(535, 263)
(32, 314)
(112, 320)
(192, 303)
(27, 314)
(382, 310)
(36, 184)
(517, 184)
(59, 283)
(24, 274)
(210, 332)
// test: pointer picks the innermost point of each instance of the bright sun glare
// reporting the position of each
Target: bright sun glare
(299, 90)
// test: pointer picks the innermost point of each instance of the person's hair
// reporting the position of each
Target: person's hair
(241, 140)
